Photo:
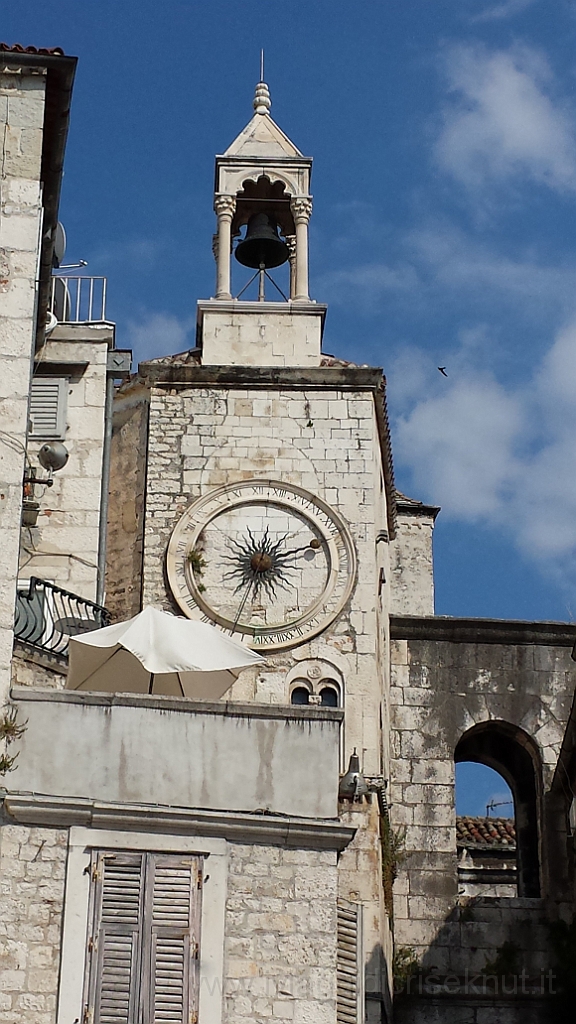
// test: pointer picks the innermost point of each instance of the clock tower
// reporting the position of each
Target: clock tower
(266, 504)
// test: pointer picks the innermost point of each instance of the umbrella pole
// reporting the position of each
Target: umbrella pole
(151, 683)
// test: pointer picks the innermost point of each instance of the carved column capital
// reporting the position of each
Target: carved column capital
(291, 243)
(224, 206)
(301, 207)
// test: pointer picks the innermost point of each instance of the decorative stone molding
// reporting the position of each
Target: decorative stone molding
(262, 102)
(301, 207)
(64, 812)
(224, 206)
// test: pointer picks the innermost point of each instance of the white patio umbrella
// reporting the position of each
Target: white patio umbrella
(156, 652)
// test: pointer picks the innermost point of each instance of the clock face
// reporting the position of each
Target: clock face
(265, 561)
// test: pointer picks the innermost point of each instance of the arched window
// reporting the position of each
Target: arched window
(509, 751)
(300, 695)
(329, 696)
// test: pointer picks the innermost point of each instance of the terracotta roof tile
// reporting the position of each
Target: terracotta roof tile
(485, 831)
(55, 51)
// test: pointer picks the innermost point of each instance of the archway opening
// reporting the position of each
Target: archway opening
(511, 753)
(485, 832)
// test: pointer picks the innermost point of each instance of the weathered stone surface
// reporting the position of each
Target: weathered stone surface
(281, 936)
(32, 865)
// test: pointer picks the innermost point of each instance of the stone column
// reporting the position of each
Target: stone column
(301, 207)
(225, 207)
(291, 243)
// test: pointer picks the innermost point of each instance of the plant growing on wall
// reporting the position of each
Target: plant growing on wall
(405, 965)
(10, 731)
(197, 563)
(392, 842)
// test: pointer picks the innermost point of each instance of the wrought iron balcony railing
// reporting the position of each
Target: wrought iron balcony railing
(47, 616)
(75, 300)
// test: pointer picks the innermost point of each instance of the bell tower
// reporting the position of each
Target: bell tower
(263, 205)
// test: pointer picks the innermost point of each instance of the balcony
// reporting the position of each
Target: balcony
(47, 616)
(76, 300)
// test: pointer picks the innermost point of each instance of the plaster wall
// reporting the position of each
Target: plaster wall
(178, 753)
(63, 547)
(22, 96)
(251, 334)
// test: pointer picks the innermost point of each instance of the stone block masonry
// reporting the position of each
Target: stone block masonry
(447, 684)
(32, 870)
(22, 97)
(324, 440)
(280, 936)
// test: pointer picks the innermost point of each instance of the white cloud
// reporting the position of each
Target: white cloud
(439, 259)
(507, 9)
(159, 334)
(506, 457)
(502, 122)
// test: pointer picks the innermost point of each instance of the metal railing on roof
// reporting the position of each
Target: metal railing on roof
(47, 616)
(75, 300)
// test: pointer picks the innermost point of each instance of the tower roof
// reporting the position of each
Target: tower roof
(262, 137)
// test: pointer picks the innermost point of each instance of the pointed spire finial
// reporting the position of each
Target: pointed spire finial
(262, 101)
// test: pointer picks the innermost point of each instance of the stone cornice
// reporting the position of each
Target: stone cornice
(231, 709)
(356, 378)
(238, 827)
(482, 631)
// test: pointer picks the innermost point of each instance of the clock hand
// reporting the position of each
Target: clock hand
(306, 547)
(242, 603)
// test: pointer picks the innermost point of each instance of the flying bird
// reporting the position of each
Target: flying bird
(443, 370)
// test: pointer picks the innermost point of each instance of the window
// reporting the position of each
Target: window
(329, 697)
(143, 948)
(349, 964)
(48, 407)
(300, 695)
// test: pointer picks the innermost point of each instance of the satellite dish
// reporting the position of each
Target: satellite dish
(53, 456)
(59, 245)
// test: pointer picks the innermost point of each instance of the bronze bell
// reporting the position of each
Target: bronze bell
(262, 245)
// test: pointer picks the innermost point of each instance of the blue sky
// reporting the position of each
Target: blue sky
(444, 140)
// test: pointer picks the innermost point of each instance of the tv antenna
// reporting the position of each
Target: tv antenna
(497, 803)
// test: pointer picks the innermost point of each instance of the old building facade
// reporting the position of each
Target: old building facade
(172, 860)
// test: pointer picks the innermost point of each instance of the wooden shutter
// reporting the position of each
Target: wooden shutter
(143, 953)
(172, 934)
(349, 964)
(114, 947)
(48, 407)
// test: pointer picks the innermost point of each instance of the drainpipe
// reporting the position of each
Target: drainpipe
(118, 367)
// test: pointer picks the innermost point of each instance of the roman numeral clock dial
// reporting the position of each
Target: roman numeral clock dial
(265, 561)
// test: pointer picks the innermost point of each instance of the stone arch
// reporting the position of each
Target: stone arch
(235, 181)
(510, 751)
(317, 675)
